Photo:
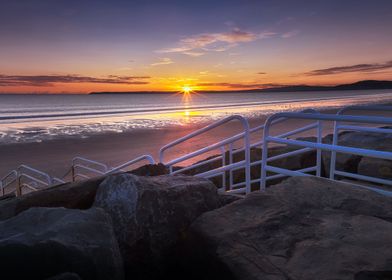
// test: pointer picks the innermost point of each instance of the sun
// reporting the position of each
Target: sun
(186, 89)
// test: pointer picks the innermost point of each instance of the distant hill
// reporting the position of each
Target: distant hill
(361, 85)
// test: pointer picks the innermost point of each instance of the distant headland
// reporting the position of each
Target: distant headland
(360, 85)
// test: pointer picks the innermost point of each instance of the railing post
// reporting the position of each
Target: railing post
(19, 187)
(230, 162)
(73, 172)
(335, 139)
(223, 151)
(319, 152)
(264, 155)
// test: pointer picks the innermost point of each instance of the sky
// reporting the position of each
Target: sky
(76, 46)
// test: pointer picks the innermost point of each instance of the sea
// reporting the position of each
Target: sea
(40, 117)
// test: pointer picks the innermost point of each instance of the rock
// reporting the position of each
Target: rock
(150, 214)
(78, 195)
(151, 170)
(374, 167)
(227, 198)
(365, 140)
(42, 242)
(304, 228)
(65, 276)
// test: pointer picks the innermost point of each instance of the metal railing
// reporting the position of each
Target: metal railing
(27, 177)
(334, 147)
(8, 180)
(240, 187)
(121, 167)
(338, 126)
(86, 168)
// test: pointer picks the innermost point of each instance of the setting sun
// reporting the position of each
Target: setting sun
(186, 89)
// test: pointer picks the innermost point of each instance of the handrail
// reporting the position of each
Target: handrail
(319, 146)
(86, 164)
(23, 171)
(149, 158)
(338, 126)
(203, 130)
(365, 108)
(4, 183)
(217, 145)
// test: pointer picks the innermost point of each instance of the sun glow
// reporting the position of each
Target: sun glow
(186, 89)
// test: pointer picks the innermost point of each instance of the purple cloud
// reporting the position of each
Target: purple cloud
(351, 68)
(49, 80)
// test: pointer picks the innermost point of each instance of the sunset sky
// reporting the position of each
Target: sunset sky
(77, 46)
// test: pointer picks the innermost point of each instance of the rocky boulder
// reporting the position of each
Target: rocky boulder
(151, 170)
(150, 215)
(78, 195)
(365, 140)
(303, 228)
(40, 243)
(374, 167)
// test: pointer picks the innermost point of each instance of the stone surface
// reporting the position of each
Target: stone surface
(42, 242)
(303, 228)
(365, 140)
(78, 195)
(380, 168)
(150, 170)
(65, 276)
(150, 214)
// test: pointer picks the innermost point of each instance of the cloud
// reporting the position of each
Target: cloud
(290, 34)
(351, 68)
(237, 85)
(261, 73)
(49, 80)
(163, 61)
(218, 42)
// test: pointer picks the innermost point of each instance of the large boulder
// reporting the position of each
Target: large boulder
(150, 170)
(303, 228)
(374, 167)
(43, 242)
(78, 195)
(364, 140)
(150, 215)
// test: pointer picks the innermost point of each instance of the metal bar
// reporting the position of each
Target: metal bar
(304, 170)
(84, 160)
(365, 129)
(340, 149)
(209, 148)
(364, 178)
(365, 107)
(298, 130)
(197, 165)
(201, 131)
(222, 169)
(329, 117)
(148, 158)
(318, 153)
(88, 169)
(21, 176)
(285, 171)
(289, 154)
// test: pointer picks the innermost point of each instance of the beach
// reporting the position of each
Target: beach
(55, 156)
